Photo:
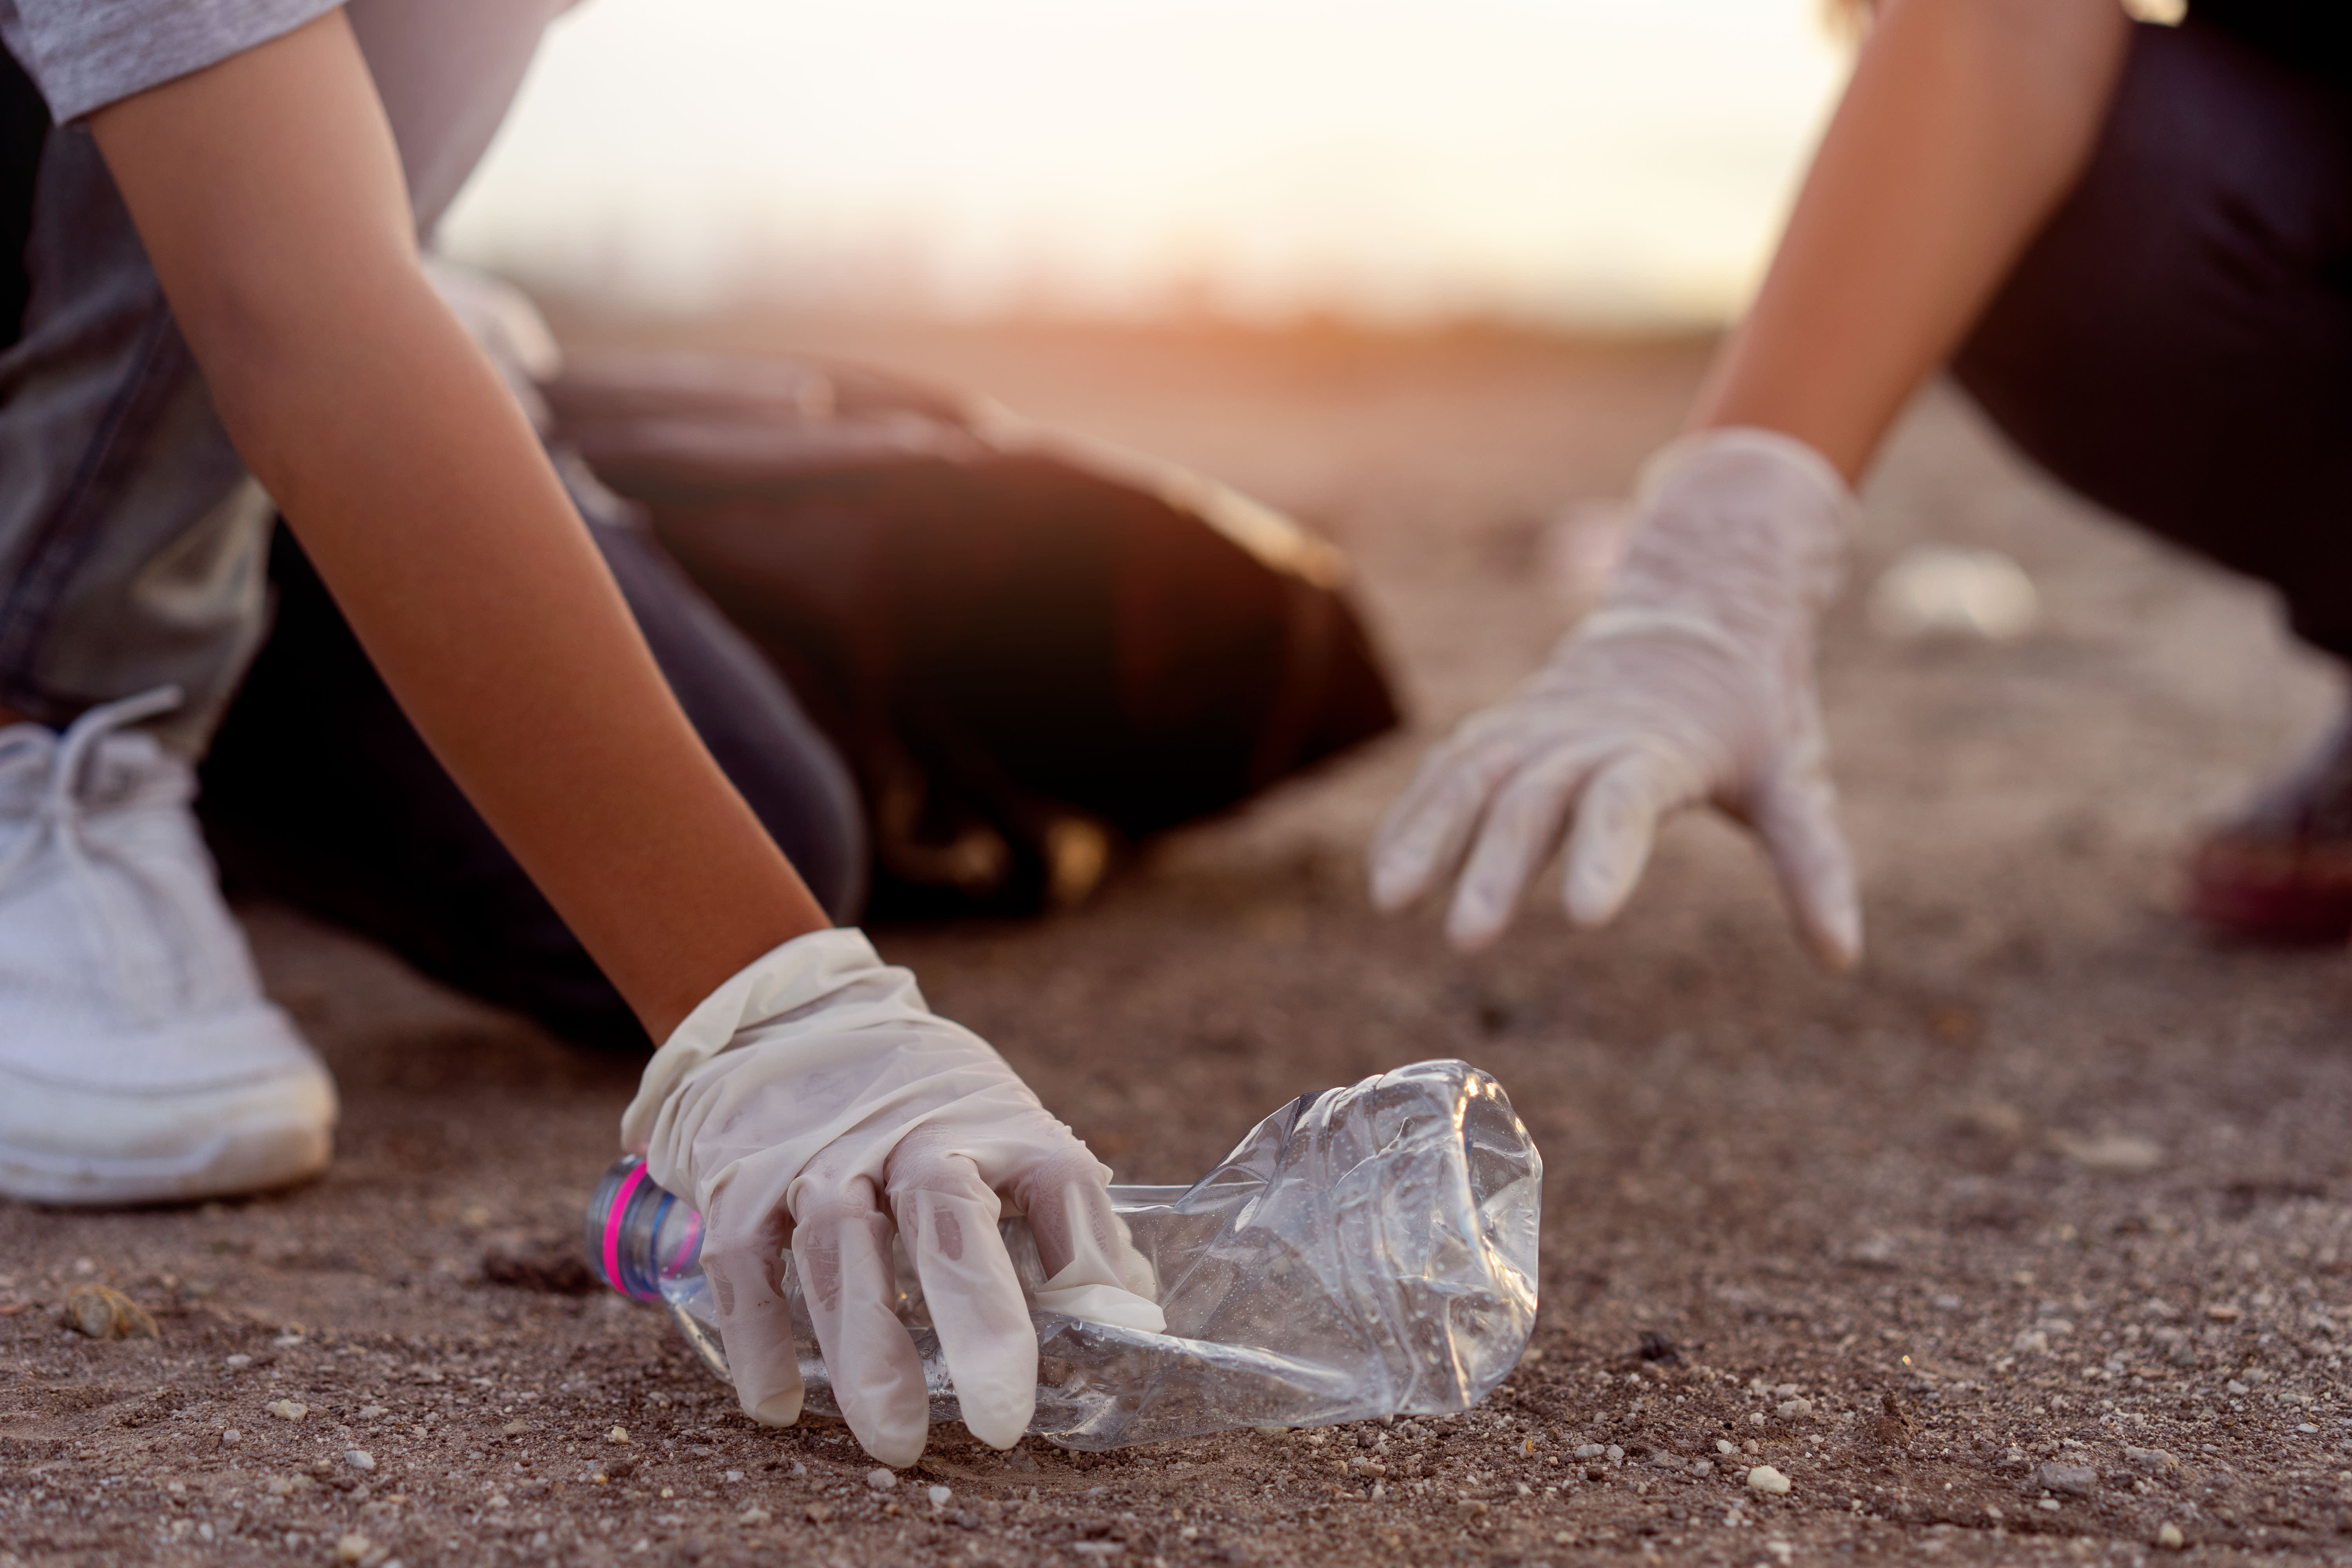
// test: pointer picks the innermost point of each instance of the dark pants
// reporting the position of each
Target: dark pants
(319, 789)
(2177, 344)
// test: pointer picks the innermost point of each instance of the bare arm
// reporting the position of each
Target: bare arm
(1966, 123)
(268, 193)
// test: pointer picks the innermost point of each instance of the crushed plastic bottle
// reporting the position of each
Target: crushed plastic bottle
(1365, 1251)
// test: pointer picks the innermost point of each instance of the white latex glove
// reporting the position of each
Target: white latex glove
(1692, 681)
(814, 1101)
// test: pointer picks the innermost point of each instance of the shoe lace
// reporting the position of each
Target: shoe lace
(59, 819)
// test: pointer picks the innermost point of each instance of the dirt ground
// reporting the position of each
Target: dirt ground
(2029, 1241)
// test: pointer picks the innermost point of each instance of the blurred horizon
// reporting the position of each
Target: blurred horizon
(1552, 164)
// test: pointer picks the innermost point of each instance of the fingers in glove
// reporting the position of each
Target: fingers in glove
(755, 1323)
(1522, 828)
(1421, 838)
(1797, 818)
(840, 1242)
(946, 1218)
(1616, 824)
(1092, 1267)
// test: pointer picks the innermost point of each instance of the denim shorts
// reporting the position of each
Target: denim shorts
(133, 543)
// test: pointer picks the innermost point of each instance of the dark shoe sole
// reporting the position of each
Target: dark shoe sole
(2269, 889)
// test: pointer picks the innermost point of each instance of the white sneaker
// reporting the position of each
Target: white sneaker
(139, 1061)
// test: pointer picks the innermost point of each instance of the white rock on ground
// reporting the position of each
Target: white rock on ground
(1765, 1478)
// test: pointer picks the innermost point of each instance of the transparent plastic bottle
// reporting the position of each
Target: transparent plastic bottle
(1365, 1251)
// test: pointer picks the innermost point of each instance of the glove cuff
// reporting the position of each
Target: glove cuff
(1794, 462)
(786, 979)
(1742, 527)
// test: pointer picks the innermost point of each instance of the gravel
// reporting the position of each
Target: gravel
(1719, 1124)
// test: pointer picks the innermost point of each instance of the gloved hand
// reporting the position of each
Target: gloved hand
(1692, 681)
(814, 1101)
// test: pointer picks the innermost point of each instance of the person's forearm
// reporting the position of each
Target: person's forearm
(420, 492)
(1966, 123)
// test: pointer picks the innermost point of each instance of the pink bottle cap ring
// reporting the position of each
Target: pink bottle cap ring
(615, 1215)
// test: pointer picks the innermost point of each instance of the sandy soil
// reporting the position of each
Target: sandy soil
(2024, 1244)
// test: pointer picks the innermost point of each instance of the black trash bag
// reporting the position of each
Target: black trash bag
(24, 131)
(1032, 649)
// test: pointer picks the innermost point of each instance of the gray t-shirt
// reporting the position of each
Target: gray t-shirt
(86, 54)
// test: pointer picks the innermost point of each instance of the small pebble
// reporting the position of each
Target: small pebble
(1613, 1453)
(101, 1313)
(1795, 1409)
(290, 1410)
(2113, 1154)
(939, 1496)
(239, 1362)
(2073, 1481)
(352, 1548)
(1589, 1450)
(1765, 1478)
(2049, 1502)
(231, 1435)
(372, 1412)
(880, 1478)
(1723, 1445)
(2169, 1536)
(359, 1459)
(617, 1435)
(754, 1515)
(818, 1514)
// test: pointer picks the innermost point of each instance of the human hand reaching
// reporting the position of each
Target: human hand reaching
(1693, 681)
(814, 1102)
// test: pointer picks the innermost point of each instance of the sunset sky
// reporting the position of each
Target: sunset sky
(1578, 160)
